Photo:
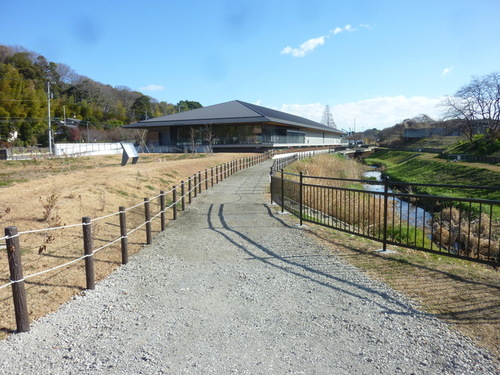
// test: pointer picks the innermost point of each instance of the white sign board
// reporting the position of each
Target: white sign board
(129, 151)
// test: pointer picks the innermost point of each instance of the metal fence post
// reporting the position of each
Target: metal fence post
(16, 276)
(300, 197)
(282, 192)
(386, 202)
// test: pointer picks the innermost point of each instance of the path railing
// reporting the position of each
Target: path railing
(390, 213)
(90, 241)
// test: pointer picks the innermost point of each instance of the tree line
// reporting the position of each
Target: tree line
(26, 78)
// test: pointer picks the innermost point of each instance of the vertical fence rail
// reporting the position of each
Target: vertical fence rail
(386, 202)
(301, 193)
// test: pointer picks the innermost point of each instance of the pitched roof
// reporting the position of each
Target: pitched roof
(232, 112)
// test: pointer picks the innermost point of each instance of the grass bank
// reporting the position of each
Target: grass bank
(413, 167)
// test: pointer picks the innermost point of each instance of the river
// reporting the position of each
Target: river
(415, 215)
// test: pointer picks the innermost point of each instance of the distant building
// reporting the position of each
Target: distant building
(429, 132)
(234, 126)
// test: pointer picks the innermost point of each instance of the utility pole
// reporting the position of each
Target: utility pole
(50, 125)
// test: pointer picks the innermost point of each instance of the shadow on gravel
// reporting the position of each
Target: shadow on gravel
(306, 271)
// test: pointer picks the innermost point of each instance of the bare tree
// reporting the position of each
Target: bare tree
(209, 135)
(192, 138)
(327, 118)
(476, 105)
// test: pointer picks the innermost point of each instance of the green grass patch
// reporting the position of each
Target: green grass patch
(407, 167)
(389, 158)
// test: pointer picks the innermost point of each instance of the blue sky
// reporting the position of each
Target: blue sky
(373, 62)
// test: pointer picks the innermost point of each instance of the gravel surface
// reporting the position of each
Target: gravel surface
(233, 287)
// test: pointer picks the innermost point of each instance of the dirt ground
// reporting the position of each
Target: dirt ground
(43, 193)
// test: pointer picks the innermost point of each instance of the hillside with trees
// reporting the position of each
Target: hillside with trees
(26, 78)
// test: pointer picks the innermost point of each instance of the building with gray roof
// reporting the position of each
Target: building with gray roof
(234, 126)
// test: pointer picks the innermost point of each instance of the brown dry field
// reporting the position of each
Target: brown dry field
(59, 192)
(464, 294)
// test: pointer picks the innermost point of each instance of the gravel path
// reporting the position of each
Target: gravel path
(233, 287)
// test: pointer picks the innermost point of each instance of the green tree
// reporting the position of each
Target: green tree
(142, 108)
(187, 105)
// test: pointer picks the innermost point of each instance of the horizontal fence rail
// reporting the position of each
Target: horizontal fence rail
(128, 221)
(388, 212)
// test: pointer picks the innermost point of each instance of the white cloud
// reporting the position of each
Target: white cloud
(337, 30)
(377, 113)
(151, 88)
(446, 71)
(305, 47)
(347, 28)
(311, 44)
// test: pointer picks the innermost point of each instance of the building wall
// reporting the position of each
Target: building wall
(321, 138)
(176, 138)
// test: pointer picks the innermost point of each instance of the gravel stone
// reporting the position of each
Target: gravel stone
(233, 287)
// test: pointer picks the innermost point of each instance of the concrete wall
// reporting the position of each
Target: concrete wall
(86, 149)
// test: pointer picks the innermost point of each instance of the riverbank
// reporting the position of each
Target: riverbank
(414, 167)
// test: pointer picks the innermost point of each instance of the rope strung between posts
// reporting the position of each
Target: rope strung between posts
(201, 182)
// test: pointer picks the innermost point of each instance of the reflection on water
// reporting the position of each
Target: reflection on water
(406, 211)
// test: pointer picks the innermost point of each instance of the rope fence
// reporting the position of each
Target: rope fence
(195, 184)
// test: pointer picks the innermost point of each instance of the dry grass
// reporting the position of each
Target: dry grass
(58, 192)
(354, 209)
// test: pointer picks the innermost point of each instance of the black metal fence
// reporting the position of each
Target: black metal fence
(390, 213)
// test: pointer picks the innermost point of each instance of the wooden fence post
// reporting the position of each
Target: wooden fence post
(16, 276)
(212, 176)
(147, 216)
(190, 187)
(183, 192)
(123, 234)
(200, 182)
(162, 208)
(195, 185)
(217, 174)
(88, 249)
(174, 204)
(206, 179)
